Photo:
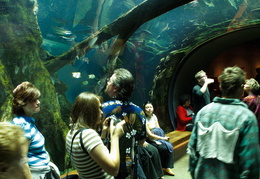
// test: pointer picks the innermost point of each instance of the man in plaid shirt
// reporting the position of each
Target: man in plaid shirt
(224, 141)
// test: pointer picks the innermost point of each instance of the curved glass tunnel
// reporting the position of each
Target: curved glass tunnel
(240, 48)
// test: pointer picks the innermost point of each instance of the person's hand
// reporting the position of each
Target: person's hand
(105, 128)
(145, 144)
(118, 130)
(106, 123)
(166, 138)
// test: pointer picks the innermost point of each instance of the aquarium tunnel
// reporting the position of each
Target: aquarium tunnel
(242, 47)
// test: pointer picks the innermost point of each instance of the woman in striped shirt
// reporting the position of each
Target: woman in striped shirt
(92, 159)
(25, 104)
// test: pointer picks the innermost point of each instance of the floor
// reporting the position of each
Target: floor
(180, 169)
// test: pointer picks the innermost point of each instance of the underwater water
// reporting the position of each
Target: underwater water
(66, 23)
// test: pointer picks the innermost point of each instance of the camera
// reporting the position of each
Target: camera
(116, 120)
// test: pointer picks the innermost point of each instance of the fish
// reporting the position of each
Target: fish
(84, 83)
(76, 74)
(256, 10)
(91, 76)
(16, 69)
(85, 59)
(54, 44)
(69, 38)
(165, 28)
(24, 68)
(62, 31)
(146, 32)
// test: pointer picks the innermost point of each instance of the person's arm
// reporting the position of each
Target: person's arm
(26, 169)
(153, 136)
(156, 121)
(109, 161)
(205, 85)
(192, 151)
(181, 113)
(249, 154)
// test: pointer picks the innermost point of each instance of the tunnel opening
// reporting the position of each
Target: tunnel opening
(213, 56)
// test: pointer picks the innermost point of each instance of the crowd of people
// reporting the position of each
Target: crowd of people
(118, 139)
(224, 140)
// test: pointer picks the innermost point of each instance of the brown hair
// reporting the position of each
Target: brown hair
(85, 110)
(24, 93)
(231, 81)
(199, 74)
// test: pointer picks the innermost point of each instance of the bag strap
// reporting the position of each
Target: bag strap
(81, 142)
(78, 131)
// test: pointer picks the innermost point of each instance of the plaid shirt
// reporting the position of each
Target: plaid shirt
(231, 114)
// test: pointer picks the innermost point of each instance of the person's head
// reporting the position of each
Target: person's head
(121, 84)
(185, 100)
(257, 70)
(232, 81)
(148, 108)
(26, 99)
(86, 110)
(201, 76)
(251, 86)
(13, 156)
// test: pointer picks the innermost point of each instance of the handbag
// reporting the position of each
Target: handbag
(52, 174)
(74, 174)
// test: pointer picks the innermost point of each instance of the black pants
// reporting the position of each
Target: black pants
(150, 161)
(165, 155)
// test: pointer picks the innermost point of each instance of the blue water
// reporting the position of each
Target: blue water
(64, 23)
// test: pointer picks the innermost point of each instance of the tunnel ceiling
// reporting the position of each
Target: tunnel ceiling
(201, 57)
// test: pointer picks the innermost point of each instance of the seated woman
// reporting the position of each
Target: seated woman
(157, 138)
(13, 152)
(89, 155)
(184, 114)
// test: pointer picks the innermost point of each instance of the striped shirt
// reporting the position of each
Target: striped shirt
(84, 164)
(232, 114)
(37, 155)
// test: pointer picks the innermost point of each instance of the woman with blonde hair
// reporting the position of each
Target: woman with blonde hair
(13, 152)
(253, 100)
(89, 155)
